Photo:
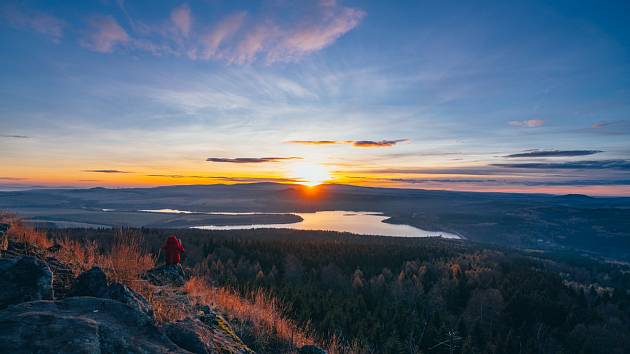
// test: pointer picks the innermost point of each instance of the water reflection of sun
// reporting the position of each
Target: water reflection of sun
(309, 174)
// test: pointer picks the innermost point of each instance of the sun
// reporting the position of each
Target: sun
(309, 174)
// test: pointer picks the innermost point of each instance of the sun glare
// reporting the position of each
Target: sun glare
(309, 174)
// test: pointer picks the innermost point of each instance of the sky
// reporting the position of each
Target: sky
(479, 96)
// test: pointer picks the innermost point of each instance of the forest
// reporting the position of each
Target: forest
(402, 295)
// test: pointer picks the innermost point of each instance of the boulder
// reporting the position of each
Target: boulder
(94, 283)
(122, 293)
(198, 337)
(170, 274)
(24, 278)
(311, 349)
(190, 335)
(90, 283)
(80, 325)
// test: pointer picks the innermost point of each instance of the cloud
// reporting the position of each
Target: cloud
(231, 179)
(603, 182)
(237, 38)
(222, 31)
(530, 123)
(12, 178)
(381, 143)
(585, 165)
(555, 153)
(251, 159)
(333, 22)
(355, 143)
(105, 35)
(39, 22)
(422, 180)
(315, 142)
(14, 136)
(181, 18)
(107, 171)
(617, 127)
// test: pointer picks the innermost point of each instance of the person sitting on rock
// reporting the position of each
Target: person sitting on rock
(173, 250)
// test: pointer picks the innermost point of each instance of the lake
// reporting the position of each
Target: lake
(362, 223)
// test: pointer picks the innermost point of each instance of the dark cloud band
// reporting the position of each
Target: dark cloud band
(555, 153)
(14, 136)
(251, 159)
(107, 171)
(230, 179)
(582, 165)
(355, 143)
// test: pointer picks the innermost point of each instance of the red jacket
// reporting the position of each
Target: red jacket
(173, 249)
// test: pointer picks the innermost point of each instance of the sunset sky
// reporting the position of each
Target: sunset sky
(480, 96)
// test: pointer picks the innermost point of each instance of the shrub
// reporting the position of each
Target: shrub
(260, 310)
(20, 232)
(127, 258)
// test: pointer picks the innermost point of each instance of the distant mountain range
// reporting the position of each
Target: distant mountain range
(573, 222)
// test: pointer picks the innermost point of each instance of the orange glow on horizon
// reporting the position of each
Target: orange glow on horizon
(309, 174)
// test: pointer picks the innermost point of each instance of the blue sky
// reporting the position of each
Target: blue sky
(123, 93)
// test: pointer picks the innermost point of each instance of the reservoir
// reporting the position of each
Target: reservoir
(362, 223)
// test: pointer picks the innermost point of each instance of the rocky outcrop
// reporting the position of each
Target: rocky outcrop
(80, 325)
(122, 293)
(90, 283)
(171, 275)
(94, 283)
(24, 278)
(45, 309)
(197, 337)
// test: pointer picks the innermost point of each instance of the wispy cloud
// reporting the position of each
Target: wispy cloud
(45, 24)
(105, 35)
(230, 178)
(251, 159)
(555, 153)
(332, 22)
(584, 165)
(237, 38)
(617, 127)
(182, 19)
(380, 143)
(213, 39)
(355, 143)
(12, 178)
(107, 171)
(14, 136)
(530, 123)
(315, 142)
(603, 182)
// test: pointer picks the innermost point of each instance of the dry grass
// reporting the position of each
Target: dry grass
(79, 256)
(127, 259)
(166, 304)
(23, 233)
(263, 311)
(266, 315)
